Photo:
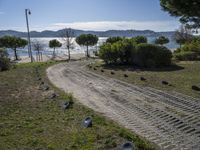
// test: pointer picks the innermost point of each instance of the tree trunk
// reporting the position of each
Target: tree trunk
(87, 52)
(54, 52)
(16, 57)
(41, 56)
(69, 56)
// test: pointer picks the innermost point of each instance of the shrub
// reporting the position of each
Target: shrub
(4, 60)
(189, 52)
(149, 55)
(118, 52)
(127, 52)
(186, 56)
(108, 53)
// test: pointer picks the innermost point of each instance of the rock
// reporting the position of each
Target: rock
(38, 79)
(41, 83)
(45, 87)
(142, 79)
(128, 146)
(112, 73)
(195, 88)
(165, 82)
(66, 105)
(125, 75)
(95, 68)
(87, 122)
(102, 70)
(52, 95)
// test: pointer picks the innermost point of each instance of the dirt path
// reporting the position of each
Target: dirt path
(172, 121)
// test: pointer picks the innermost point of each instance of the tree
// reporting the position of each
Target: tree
(87, 40)
(67, 36)
(187, 10)
(162, 40)
(54, 44)
(38, 47)
(183, 35)
(13, 43)
(112, 40)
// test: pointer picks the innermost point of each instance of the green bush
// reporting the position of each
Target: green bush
(149, 55)
(108, 53)
(4, 60)
(186, 56)
(189, 52)
(119, 52)
(126, 51)
(144, 55)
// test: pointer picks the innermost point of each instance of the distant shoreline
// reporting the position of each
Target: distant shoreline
(26, 59)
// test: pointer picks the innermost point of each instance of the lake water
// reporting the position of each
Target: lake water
(76, 49)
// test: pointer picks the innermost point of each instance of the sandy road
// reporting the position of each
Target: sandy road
(170, 120)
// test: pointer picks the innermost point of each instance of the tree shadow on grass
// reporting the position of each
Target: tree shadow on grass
(120, 67)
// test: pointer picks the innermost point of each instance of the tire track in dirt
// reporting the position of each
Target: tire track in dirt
(172, 121)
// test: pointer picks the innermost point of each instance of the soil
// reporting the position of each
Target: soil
(170, 120)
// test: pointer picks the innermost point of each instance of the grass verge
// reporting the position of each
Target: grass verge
(29, 119)
(180, 78)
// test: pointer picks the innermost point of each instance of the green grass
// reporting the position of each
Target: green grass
(30, 120)
(181, 77)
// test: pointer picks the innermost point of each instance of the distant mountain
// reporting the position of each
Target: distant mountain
(109, 33)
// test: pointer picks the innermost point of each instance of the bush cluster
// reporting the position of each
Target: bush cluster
(149, 55)
(4, 60)
(189, 52)
(135, 51)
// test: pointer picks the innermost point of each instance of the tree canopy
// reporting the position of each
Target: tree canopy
(187, 10)
(114, 39)
(139, 39)
(162, 40)
(13, 43)
(87, 40)
(54, 44)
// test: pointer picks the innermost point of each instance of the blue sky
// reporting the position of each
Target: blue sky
(86, 14)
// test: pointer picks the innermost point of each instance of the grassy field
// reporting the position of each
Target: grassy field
(181, 77)
(29, 119)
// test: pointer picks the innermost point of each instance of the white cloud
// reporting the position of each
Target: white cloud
(119, 25)
(105, 25)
